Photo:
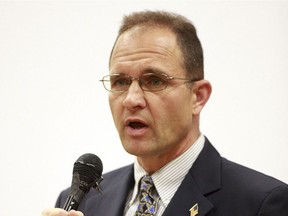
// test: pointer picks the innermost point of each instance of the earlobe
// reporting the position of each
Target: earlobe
(202, 90)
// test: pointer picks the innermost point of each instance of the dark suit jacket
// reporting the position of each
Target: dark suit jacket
(219, 187)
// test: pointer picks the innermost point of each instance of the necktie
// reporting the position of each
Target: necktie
(147, 202)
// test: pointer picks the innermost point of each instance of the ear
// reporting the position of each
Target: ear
(201, 91)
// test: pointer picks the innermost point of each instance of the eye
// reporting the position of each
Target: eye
(119, 81)
(154, 80)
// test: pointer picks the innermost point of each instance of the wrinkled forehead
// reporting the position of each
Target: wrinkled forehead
(142, 48)
(141, 33)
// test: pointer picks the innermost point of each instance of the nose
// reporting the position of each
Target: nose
(135, 98)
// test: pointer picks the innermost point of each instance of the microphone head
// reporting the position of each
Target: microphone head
(87, 173)
(88, 168)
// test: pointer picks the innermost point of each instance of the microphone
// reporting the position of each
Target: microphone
(87, 173)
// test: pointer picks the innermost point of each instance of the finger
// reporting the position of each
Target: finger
(75, 213)
(54, 212)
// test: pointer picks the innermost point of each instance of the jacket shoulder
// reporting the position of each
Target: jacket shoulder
(248, 178)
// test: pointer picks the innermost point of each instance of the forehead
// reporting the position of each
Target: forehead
(143, 47)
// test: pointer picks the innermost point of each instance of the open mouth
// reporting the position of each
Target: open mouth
(137, 125)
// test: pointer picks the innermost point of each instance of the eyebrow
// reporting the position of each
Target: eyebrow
(153, 70)
(145, 71)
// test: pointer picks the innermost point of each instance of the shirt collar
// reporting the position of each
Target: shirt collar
(169, 177)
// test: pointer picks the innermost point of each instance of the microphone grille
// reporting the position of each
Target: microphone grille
(89, 167)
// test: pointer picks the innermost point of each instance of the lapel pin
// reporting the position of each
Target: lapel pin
(194, 210)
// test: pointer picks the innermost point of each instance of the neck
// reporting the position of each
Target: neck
(153, 163)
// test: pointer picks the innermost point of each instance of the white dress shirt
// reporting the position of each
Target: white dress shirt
(166, 180)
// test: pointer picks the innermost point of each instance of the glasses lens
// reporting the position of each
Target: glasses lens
(153, 82)
(116, 82)
(149, 82)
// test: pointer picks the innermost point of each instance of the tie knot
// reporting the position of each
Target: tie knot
(147, 184)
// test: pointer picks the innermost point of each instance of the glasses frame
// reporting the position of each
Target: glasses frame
(131, 79)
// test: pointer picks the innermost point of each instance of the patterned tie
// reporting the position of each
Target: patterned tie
(147, 202)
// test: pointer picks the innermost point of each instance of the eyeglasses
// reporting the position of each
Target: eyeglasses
(151, 82)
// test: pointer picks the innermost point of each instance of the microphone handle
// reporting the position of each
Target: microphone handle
(71, 203)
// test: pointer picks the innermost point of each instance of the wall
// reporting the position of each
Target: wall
(53, 108)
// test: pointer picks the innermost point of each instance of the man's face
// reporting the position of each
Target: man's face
(152, 124)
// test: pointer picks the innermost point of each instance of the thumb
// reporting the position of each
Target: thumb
(75, 213)
(54, 212)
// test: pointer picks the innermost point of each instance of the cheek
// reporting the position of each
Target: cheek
(177, 113)
(115, 108)
(166, 113)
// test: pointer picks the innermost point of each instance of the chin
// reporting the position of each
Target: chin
(135, 150)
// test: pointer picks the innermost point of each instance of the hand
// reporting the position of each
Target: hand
(60, 212)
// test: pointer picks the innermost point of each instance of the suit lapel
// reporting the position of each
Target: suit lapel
(185, 198)
(203, 178)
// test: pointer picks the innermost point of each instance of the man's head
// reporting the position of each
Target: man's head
(157, 125)
(184, 30)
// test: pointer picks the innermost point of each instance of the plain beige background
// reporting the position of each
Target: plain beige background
(53, 108)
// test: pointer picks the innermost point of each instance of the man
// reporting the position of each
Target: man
(157, 91)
